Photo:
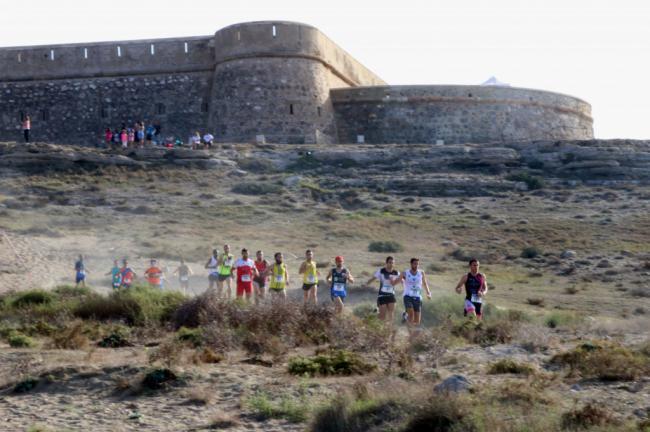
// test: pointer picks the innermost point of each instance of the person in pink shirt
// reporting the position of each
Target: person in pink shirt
(27, 126)
(124, 138)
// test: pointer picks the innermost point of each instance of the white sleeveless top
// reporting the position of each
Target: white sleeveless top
(212, 266)
(413, 283)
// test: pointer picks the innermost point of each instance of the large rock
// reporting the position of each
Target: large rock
(454, 384)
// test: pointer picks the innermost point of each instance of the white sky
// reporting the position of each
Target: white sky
(598, 50)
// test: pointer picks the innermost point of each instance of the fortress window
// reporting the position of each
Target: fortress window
(52, 55)
(20, 57)
(205, 107)
(238, 36)
(318, 110)
(86, 53)
(186, 48)
(275, 31)
(119, 51)
(22, 116)
(153, 49)
(291, 109)
(469, 95)
(160, 108)
(103, 112)
(45, 115)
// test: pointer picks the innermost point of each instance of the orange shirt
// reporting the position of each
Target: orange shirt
(154, 275)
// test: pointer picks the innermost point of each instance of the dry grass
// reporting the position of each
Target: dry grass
(71, 337)
(589, 416)
(508, 366)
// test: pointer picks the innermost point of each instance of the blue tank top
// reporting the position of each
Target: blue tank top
(339, 280)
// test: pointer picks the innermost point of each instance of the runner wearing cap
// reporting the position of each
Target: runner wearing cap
(339, 276)
(310, 278)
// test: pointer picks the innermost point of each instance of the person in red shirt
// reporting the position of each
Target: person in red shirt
(246, 272)
(154, 275)
(259, 283)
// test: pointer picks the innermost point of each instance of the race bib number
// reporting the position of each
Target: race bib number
(476, 298)
(184, 278)
(279, 278)
(387, 288)
(311, 279)
(246, 278)
(339, 287)
(416, 292)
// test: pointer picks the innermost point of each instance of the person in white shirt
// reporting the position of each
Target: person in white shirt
(207, 140)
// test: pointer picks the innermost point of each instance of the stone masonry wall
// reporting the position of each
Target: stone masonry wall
(458, 114)
(76, 111)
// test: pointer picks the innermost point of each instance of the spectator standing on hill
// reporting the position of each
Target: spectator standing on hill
(195, 140)
(131, 135)
(208, 140)
(124, 138)
(108, 137)
(157, 131)
(27, 127)
(149, 133)
(116, 138)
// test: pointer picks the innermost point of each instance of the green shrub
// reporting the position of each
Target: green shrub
(18, 340)
(26, 385)
(388, 246)
(444, 414)
(115, 339)
(507, 366)
(359, 415)
(32, 297)
(288, 408)
(485, 333)
(139, 305)
(336, 362)
(532, 182)
(530, 252)
(192, 336)
(557, 319)
(158, 378)
(72, 291)
(255, 188)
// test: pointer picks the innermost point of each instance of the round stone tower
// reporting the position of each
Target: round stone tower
(274, 79)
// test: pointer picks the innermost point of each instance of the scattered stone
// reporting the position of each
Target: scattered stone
(453, 384)
(568, 254)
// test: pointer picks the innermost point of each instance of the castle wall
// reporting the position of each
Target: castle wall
(76, 111)
(458, 114)
(274, 79)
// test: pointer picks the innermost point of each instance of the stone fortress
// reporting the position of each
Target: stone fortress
(284, 81)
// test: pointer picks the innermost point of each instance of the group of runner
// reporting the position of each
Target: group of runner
(254, 278)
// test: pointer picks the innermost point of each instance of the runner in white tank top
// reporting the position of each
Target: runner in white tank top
(414, 279)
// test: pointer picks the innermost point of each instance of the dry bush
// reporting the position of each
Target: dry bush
(587, 417)
(345, 413)
(485, 333)
(222, 421)
(522, 393)
(534, 338)
(206, 355)
(71, 337)
(508, 366)
(442, 413)
(535, 301)
(168, 353)
(607, 362)
(200, 396)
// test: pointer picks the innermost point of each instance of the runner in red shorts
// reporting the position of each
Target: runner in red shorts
(246, 272)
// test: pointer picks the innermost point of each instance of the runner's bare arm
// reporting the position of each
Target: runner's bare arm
(189, 269)
(484, 286)
(350, 277)
(302, 268)
(426, 284)
(329, 276)
(286, 276)
(461, 283)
